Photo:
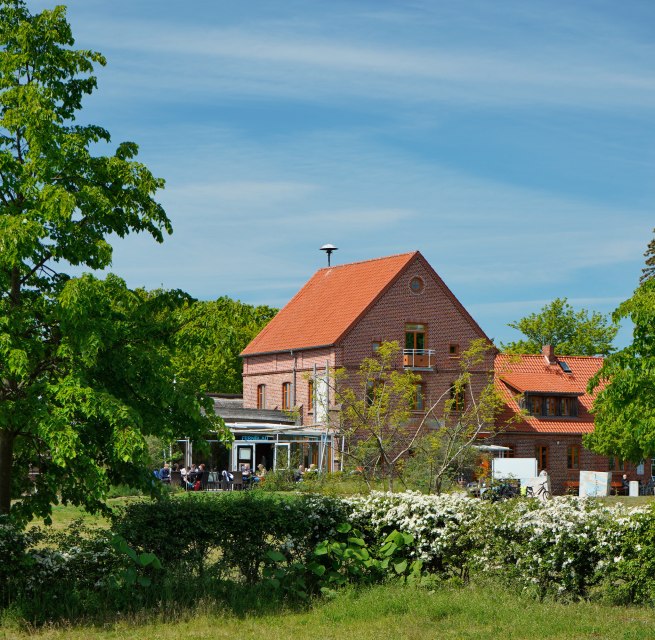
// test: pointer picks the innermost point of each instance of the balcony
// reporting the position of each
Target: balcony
(419, 359)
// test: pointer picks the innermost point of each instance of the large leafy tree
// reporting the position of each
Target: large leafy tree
(569, 331)
(85, 364)
(211, 337)
(625, 406)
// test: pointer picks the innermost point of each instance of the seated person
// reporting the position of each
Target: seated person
(299, 473)
(312, 471)
(165, 474)
(246, 474)
(194, 474)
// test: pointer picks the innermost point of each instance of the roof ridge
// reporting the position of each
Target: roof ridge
(537, 355)
(350, 264)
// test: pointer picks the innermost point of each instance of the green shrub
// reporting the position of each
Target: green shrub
(64, 573)
(14, 560)
(233, 529)
(440, 526)
(555, 549)
(344, 559)
(627, 574)
(281, 480)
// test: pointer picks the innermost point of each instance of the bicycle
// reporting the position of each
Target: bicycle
(541, 493)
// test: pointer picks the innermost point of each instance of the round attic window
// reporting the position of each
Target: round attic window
(416, 284)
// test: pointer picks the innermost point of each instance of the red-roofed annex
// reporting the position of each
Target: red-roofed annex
(552, 393)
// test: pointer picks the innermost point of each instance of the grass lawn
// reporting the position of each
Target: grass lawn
(64, 515)
(390, 612)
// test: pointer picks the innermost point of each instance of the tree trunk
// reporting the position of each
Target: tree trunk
(6, 458)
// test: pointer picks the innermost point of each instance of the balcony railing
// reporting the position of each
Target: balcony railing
(419, 358)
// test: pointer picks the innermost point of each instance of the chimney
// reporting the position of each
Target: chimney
(549, 353)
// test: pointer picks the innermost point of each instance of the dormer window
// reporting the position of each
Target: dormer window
(547, 406)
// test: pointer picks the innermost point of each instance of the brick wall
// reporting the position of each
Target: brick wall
(524, 447)
(434, 307)
(273, 370)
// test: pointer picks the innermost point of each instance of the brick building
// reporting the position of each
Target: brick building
(344, 312)
(553, 391)
(341, 315)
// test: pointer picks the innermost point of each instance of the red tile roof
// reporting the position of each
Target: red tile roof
(329, 304)
(531, 373)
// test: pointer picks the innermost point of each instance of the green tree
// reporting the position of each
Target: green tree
(625, 405)
(85, 364)
(570, 332)
(210, 339)
(377, 405)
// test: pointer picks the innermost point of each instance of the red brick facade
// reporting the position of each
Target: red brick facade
(447, 323)
(563, 479)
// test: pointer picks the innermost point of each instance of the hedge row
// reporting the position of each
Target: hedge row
(158, 554)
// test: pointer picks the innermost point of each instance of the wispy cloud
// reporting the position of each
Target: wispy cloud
(272, 60)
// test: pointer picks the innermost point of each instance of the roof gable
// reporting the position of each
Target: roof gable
(329, 304)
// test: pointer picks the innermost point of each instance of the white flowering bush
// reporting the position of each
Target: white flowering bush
(440, 525)
(627, 576)
(562, 548)
(558, 548)
(66, 571)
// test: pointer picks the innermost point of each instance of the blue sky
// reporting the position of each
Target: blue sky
(512, 143)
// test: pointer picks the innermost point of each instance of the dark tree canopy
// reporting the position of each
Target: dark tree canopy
(85, 364)
(648, 272)
(211, 337)
(569, 331)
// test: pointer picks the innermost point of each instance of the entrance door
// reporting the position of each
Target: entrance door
(282, 456)
(264, 454)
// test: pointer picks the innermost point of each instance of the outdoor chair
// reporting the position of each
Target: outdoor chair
(213, 481)
(204, 480)
(231, 481)
(237, 483)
